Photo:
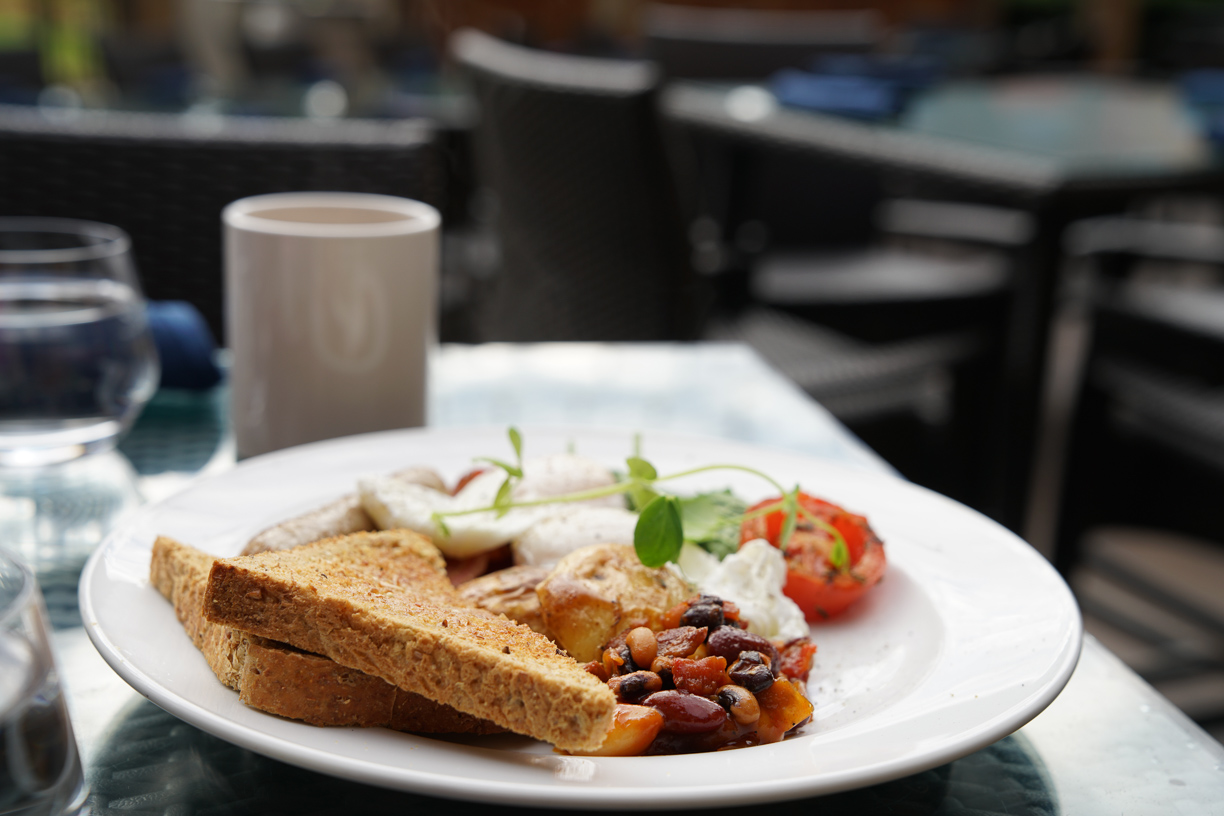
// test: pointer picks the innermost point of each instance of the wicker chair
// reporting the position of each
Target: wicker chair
(929, 282)
(590, 229)
(165, 178)
(1146, 448)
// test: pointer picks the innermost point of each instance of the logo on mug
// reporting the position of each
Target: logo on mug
(352, 326)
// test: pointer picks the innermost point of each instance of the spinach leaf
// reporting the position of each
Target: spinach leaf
(712, 520)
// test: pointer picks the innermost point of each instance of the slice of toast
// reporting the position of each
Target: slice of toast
(281, 680)
(180, 574)
(301, 686)
(327, 598)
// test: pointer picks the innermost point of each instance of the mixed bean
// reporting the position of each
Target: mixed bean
(702, 682)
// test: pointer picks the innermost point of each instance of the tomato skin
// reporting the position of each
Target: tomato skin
(820, 589)
(467, 477)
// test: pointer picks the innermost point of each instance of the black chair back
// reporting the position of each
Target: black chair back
(165, 178)
(591, 237)
(1147, 440)
(1140, 531)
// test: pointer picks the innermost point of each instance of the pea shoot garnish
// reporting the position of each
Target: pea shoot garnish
(663, 519)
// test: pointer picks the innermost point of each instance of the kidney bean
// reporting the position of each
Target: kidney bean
(731, 733)
(728, 642)
(707, 614)
(685, 713)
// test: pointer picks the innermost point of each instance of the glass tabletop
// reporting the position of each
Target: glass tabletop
(1108, 744)
(1084, 123)
(1034, 130)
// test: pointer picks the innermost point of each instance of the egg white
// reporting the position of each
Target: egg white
(395, 504)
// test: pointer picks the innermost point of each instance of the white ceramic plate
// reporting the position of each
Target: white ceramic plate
(970, 635)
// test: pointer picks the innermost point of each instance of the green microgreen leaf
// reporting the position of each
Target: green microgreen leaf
(510, 469)
(772, 507)
(501, 502)
(839, 556)
(641, 469)
(714, 518)
(659, 533)
(641, 474)
(790, 505)
(516, 440)
(638, 496)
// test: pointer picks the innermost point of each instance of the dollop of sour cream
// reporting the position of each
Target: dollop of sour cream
(752, 578)
(393, 503)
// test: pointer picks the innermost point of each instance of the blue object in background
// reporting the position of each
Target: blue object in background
(858, 97)
(906, 73)
(1212, 125)
(1203, 92)
(863, 86)
(184, 344)
(1203, 88)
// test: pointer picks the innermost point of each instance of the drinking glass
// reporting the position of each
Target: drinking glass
(40, 772)
(77, 361)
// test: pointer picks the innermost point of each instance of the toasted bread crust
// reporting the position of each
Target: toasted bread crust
(412, 712)
(420, 637)
(280, 680)
(180, 574)
(301, 686)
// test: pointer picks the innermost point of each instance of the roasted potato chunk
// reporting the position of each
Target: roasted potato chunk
(510, 592)
(596, 592)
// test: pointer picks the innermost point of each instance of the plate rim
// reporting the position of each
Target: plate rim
(566, 796)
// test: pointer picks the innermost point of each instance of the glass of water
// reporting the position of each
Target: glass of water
(40, 772)
(77, 361)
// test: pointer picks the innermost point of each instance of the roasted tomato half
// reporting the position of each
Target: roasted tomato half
(821, 589)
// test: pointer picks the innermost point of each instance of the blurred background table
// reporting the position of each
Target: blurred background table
(1108, 744)
(1056, 148)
